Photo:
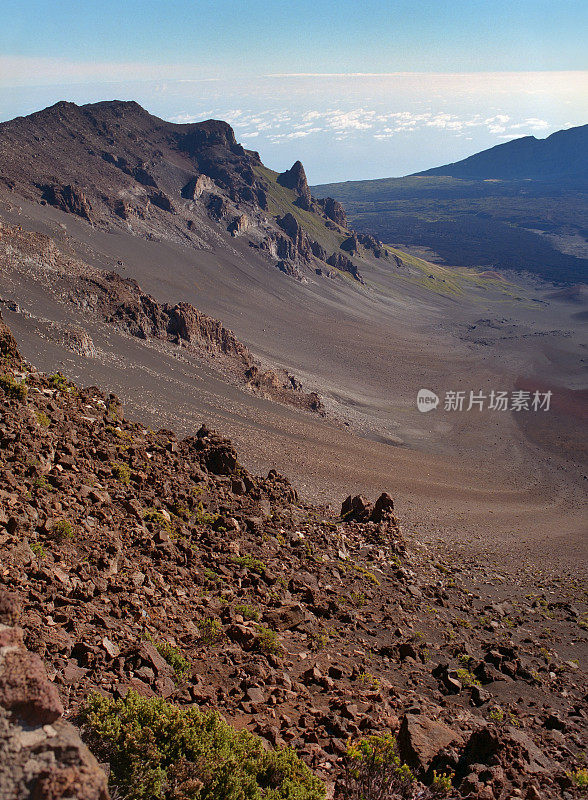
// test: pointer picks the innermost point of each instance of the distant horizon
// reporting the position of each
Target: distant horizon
(348, 128)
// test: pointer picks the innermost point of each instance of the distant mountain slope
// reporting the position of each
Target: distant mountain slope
(563, 156)
(519, 206)
(117, 167)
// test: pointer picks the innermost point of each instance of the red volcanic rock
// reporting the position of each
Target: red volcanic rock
(25, 689)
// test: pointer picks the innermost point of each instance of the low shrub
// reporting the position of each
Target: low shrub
(13, 388)
(158, 751)
(62, 529)
(121, 472)
(267, 641)
(211, 631)
(373, 770)
(250, 563)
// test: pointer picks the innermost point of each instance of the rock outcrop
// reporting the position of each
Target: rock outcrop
(295, 178)
(69, 199)
(333, 210)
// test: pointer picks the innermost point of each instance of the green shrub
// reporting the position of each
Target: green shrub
(250, 563)
(467, 679)
(373, 770)
(59, 381)
(43, 419)
(160, 752)
(13, 388)
(357, 599)
(121, 472)
(369, 681)
(441, 783)
(203, 517)
(579, 777)
(153, 515)
(172, 655)
(63, 529)
(211, 630)
(267, 641)
(213, 577)
(38, 549)
(41, 482)
(247, 611)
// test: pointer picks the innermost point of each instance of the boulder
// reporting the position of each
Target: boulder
(356, 509)
(494, 746)
(421, 739)
(384, 507)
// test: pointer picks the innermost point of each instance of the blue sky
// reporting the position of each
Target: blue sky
(355, 89)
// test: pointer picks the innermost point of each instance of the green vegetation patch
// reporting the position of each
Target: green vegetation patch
(42, 419)
(13, 388)
(250, 563)
(121, 472)
(155, 516)
(268, 642)
(160, 752)
(173, 655)
(60, 382)
(62, 529)
(373, 769)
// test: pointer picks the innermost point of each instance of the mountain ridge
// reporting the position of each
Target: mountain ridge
(562, 155)
(117, 166)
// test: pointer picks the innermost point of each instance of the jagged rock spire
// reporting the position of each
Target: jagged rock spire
(295, 178)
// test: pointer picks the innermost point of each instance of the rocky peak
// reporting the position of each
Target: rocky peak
(212, 132)
(295, 178)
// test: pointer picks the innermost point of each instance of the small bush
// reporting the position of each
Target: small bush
(211, 631)
(60, 382)
(247, 611)
(467, 679)
(38, 549)
(121, 472)
(203, 517)
(373, 770)
(13, 388)
(153, 515)
(41, 482)
(441, 783)
(267, 641)
(357, 599)
(160, 752)
(42, 419)
(173, 656)
(369, 681)
(213, 577)
(250, 563)
(63, 529)
(579, 777)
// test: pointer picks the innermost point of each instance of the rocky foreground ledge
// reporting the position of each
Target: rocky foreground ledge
(212, 636)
